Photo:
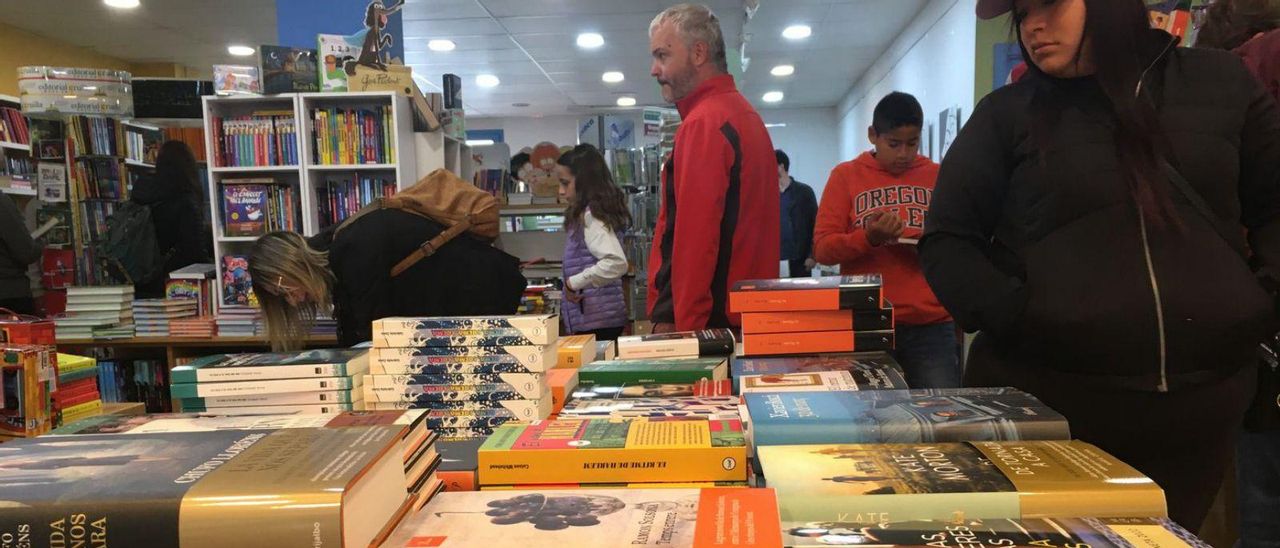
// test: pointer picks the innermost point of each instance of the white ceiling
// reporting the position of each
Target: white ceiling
(528, 44)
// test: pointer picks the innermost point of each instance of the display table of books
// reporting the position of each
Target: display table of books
(496, 431)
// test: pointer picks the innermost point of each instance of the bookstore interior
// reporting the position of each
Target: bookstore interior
(423, 273)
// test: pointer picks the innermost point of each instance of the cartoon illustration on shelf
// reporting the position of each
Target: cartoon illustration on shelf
(373, 52)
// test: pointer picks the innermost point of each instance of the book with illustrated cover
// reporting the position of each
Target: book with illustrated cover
(701, 388)
(687, 344)
(454, 392)
(273, 366)
(466, 331)
(902, 416)
(532, 383)
(782, 344)
(614, 451)
(960, 533)
(28, 378)
(520, 408)
(288, 70)
(334, 51)
(662, 371)
(861, 292)
(818, 320)
(237, 287)
(870, 370)
(710, 407)
(244, 209)
(696, 518)
(576, 351)
(235, 80)
(817, 381)
(280, 386)
(461, 359)
(987, 479)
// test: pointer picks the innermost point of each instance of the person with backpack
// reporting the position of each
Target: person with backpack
(173, 196)
(594, 261)
(17, 251)
(393, 258)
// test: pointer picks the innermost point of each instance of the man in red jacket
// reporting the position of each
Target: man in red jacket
(719, 218)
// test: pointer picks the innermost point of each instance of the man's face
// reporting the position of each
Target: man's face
(673, 64)
(896, 150)
(784, 178)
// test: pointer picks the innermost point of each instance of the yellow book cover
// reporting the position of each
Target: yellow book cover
(614, 451)
(575, 351)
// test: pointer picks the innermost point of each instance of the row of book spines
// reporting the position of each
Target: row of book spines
(93, 224)
(341, 200)
(136, 148)
(345, 136)
(492, 181)
(96, 179)
(18, 165)
(246, 141)
(13, 126)
(94, 135)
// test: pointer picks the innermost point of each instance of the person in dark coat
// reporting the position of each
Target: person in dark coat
(1056, 231)
(17, 251)
(173, 194)
(799, 210)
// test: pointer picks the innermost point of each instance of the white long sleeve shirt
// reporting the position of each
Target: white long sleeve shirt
(611, 260)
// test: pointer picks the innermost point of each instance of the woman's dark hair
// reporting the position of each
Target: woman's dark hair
(176, 165)
(1228, 24)
(594, 189)
(1120, 37)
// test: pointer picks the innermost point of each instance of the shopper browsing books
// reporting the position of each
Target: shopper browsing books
(17, 251)
(799, 208)
(174, 196)
(1097, 286)
(719, 189)
(594, 261)
(870, 206)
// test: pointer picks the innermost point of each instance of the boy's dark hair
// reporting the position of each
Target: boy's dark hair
(783, 159)
(518, 161)
(897, 110)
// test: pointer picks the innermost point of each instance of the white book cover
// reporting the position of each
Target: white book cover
(318, 409)
(455, 392)
(521, 409)
(816, 381)
(207, 390)
(294, 398)
(670, 345)
(397, 361)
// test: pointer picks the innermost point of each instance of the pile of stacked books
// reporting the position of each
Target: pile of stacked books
(312, 381)
(77, 395)
(826, 372)
(813, 315)
(97, 312)
(239, 321)
(473, 374)
(28, 377)
(154, 317)
(194, 281)
(200, 327)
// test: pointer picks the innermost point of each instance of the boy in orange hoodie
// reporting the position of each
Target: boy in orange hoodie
(872, 212)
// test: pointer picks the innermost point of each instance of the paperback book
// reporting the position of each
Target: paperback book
(288, 70)
(870, 370)
(661, 371)
(461, 359)
(959, 533)
(387, 392)
(688, 344)
(521, 409)
(280, 386)
(273, 366)
(862, 292)
(702, 388)
(710, 407)
(782, 344)
(576, 351)
(818, 381)
(818, 320)
(467, 331)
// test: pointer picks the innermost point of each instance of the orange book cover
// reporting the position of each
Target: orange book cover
(861, 292)
(562, 383)
(779, 344)
(818, 320)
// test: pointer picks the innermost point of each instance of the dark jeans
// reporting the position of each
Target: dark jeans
(20, 305)
(928, 355)
(606, 334)
(797, 269)
(1258, 486)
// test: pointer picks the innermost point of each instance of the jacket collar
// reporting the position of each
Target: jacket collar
(708, 88)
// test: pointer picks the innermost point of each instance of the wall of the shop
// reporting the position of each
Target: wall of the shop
(528, 131)
(809, 139)
(22, 48)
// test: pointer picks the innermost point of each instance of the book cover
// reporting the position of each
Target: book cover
(280, 386)
(710, 407)
(614, 450)
(989, 479)
(533, 383)
(162, 423)
(317, 409)
(333, 53)
(902, 416)
(661, 371)
(521, 409)
(288, 70)
(870, 371)
(817, 381)
(697, 518)
(455, 392)
(701, 388)
(235, 79)
(458, 462)
(1064, 532)
(237, 287)
(461, 359)
(466, 331)
(272, 366)
(244, 210)
(688, 344)
(861, 292)
(818, 320)
(782, 344)
(575, 351)
(253, 400)
(562, 383)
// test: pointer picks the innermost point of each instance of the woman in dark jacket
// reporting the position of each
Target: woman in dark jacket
(1056, 231)
(173, 195)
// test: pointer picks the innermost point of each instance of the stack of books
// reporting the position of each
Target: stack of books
(28, 377)
(97, 312)
(200, 327)
(813, 315)
(193, 281)
(154, 317)
(574, 351)
(239, 321)
(862, 371)
(312, 381)
(685, 344)
(324, 326)
(615, 379)
(474, 374)
(77, 396)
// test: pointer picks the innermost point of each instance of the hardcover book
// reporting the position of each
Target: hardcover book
(272, 366)
(902, 416)
(237, 287)
(818, 320)
(466, 331)
(614, 450)
(940, 481)
(575, 351)
(818, 381)
(781, 344)
(235, 80)
(461, 359)
(702, 388)
(670, 371)
(244, 209)
(862, 292)
(1077, 532)
(687, 344)
(710, 407)
(870, 370)
(288, 70)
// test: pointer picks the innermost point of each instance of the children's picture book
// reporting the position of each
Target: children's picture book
(244, 209)
(60, 234)
(237, 288)
(288, 70)
(235, 79)
(333, 53)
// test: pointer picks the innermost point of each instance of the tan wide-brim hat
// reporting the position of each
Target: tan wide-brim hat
(990, 9)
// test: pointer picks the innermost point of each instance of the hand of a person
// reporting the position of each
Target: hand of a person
(810, 263)
(883, 227)
(572, 296)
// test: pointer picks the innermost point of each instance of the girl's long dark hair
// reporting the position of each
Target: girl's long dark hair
(594, 190)
(176, 165)
(1119, 33)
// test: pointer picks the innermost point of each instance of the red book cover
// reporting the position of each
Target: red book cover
(817, 320)
(78, 399)
(780, 344)
(861, 292)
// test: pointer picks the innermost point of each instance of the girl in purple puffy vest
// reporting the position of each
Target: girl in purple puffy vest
(594, 261)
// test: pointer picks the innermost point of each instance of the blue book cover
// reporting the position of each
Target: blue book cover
(870, 370)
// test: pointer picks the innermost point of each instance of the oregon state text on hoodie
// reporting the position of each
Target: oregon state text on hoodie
(719, 218)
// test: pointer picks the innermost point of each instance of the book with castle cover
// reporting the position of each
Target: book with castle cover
(272, 366)
(461, 359)
(861, 292)
(614, 451)
(940, 481)
(817, 381)
(661, 371)
(696, 518)
(710, 407)
(344, 485)
(576, 351)
(686, 344)
(281, 386)
(902, 416)
(818, 320)
(870, 370)
(961, 533)
(702, 388)
(782, 344)
(536, 330)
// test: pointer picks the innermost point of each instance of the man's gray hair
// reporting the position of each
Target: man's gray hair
(696, 23)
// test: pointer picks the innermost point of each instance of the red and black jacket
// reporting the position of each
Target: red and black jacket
(719, 221)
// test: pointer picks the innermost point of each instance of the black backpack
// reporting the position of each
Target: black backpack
(128, 249)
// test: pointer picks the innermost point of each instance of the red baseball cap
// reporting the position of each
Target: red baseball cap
(990, 9)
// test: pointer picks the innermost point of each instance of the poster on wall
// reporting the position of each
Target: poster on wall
(948, 128)
(1005, 70)
(619, 132)
(51, 181)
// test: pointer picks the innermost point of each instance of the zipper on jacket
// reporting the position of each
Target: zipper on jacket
(1155, 293)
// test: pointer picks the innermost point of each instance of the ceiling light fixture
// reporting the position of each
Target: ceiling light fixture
(773, 97)
(797, 32)
(479, 142)
(240, 51)
(613, 77)
(441, 45)
(783, 70)
(122, 4)
(487, 80)
(626, 101)
(779, 124)
(590, 40)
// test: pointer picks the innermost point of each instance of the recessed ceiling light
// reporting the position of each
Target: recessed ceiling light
(773, 97)
(797, 32)
(590, 40)
(626, 101)
(613, 77)
(123, 4)
(441, 45)
(783, 70)
(487, 80)
(240, 50)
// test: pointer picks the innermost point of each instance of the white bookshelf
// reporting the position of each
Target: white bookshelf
(10, 149)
